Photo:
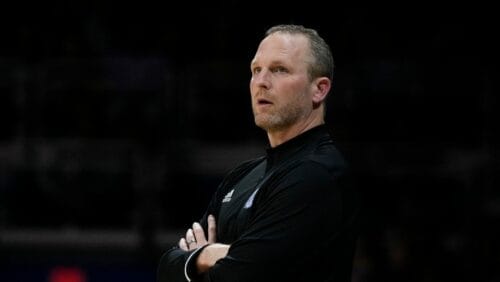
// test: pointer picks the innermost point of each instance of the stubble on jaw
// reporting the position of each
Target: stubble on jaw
(279, 119)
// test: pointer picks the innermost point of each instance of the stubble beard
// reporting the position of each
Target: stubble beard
(278, 119)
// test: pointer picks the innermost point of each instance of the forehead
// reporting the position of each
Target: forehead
(282, 47)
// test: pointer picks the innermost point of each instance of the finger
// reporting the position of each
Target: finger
(199, 234)
(190, 240)
(212, 229)
(183, 244)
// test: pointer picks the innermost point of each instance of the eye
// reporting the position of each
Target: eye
(256, 70)
(279, 69)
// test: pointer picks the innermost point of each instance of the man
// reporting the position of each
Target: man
(289, 215)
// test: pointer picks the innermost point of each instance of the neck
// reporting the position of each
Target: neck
(280, 136)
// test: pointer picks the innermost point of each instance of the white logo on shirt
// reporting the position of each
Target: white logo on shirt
(228, 196)
(249, 202)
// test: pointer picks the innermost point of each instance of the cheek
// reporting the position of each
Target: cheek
(253, 88)
(294, 91)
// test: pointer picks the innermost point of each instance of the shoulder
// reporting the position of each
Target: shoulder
(322, 167)
(325, 158)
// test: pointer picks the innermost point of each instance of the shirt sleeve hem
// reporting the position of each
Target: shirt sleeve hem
(190, 265)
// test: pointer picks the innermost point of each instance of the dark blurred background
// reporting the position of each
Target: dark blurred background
(118, 122)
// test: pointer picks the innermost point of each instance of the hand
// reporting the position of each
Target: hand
(195, 237)
(210, 255)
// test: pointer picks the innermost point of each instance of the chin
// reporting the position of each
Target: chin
(262, 124)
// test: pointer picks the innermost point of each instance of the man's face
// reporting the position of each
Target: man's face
(280, 86)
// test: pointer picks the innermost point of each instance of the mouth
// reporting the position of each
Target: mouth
(263, 102)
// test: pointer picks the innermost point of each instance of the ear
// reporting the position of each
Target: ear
(321, 87)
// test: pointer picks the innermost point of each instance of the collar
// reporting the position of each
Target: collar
(289, 148)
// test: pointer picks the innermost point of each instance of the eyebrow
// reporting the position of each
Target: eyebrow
(273, 63)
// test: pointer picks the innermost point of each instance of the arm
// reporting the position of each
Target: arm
(210, 255)
(206, 251)
(172, 265)
(175, 264)
(294, 226)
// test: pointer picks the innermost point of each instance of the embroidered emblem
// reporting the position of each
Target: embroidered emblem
(249, 202)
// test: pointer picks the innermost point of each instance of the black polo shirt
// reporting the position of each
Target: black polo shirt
(290, 215)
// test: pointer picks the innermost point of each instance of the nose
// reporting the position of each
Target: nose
(261, 79)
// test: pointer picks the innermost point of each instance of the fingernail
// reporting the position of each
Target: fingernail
(196, 225)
